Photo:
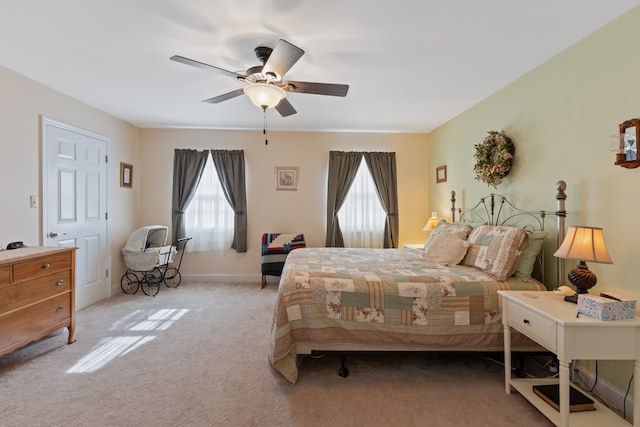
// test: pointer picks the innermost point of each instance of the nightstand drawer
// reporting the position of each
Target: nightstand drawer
(533, 325)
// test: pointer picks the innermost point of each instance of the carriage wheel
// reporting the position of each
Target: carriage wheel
(172, 277)
(158, 274)
(129, 283)
(150, 284)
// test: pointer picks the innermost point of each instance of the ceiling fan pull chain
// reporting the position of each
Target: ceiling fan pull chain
(264, 127)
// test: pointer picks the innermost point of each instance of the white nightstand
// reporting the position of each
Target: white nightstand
(413, 246)
(553, 323)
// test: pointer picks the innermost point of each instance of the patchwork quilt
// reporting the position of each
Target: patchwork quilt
(384, 299)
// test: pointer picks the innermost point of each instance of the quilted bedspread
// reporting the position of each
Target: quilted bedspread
(384, 299)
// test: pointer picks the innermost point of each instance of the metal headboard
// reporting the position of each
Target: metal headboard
(496, 209)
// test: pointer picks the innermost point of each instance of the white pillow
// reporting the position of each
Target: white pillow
(446, 249)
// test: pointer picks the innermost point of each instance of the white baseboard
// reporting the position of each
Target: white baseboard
(607, 393)
(217, 278)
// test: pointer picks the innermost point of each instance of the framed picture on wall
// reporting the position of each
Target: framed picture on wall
(441, 174)
(126, 175)
(287, 178)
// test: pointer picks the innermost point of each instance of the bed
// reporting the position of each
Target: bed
(442, 298)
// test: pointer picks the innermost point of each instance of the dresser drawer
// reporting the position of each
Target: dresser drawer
(29, 291)
(5, 274)
(20, 327)
(533, 325)
(38, 267)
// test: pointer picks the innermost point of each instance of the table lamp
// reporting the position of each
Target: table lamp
(583, 244)
(432, 222)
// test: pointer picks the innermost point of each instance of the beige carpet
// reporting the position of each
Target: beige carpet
(197, 355)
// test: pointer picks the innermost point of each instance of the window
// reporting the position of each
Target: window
(362, 217)
(209, 217)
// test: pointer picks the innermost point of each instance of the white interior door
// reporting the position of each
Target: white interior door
(74, 205)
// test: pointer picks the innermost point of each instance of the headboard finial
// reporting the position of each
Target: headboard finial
(561, 186)
(453, 206)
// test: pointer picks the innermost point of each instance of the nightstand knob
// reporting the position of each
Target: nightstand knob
(526, 322)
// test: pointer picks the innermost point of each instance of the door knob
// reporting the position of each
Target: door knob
(53, 234)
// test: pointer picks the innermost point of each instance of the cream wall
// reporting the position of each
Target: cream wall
(279, 211)
(560, 117)
(22, 104)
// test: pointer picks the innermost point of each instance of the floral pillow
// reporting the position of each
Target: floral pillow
(461, 231)
(446, 249)
(495, 249)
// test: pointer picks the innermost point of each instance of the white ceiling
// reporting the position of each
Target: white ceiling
(411, 64)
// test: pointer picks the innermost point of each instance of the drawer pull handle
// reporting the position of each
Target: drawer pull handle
(59, 309)
(60, 282)
(526, 322)
(46, 266)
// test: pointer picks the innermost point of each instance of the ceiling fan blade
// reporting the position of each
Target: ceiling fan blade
(204, 66)
(285, 108)
(224, 97)
(282, 58)
(316, 88)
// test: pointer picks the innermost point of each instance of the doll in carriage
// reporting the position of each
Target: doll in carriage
(149, 260)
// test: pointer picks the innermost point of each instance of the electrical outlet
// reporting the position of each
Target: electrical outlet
(33, 201)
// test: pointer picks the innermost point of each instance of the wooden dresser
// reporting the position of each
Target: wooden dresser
(37, 294)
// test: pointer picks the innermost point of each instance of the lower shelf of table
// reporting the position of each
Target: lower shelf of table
(602, 416)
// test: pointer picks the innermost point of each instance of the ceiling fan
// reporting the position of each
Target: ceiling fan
(265, 84)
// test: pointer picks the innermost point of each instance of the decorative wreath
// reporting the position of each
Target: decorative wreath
(494, 156)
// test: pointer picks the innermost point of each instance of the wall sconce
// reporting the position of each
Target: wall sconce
(625, 144)
(432, 222)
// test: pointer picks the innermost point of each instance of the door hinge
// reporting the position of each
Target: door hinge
(107, 272)
(106, 158)
(106, 216)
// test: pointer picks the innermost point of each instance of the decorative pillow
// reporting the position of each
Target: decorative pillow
(446, 249)
(281, 240)
(524, 267)
(462, 231)
(495, 249)
(472, 224)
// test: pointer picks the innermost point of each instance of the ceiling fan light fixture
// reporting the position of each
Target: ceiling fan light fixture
(264, 95)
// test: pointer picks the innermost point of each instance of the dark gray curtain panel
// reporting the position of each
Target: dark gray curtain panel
(230, 169)
(343, 167)
(383, 170)
(187, 171)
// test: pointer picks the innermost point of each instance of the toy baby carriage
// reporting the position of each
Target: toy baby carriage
(148, 260)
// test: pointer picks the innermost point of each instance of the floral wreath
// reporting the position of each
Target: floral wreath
(494, 156)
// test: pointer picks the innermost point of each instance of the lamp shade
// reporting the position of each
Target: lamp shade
(264, 95)
(584, 244)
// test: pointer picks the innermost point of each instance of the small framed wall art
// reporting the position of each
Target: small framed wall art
(126, 175)
(287, 177)
(441, 174)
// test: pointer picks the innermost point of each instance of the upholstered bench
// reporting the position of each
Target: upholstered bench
(275, 248)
